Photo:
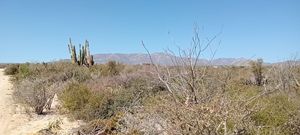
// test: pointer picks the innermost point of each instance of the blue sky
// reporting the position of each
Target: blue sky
(38, 30)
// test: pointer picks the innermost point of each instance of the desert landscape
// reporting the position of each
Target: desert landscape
(149, 67)
(15, 120)
(184, 96)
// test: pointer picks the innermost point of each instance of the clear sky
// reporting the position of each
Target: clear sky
(38, 30)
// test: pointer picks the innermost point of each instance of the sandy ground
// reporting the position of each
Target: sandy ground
(14, 120)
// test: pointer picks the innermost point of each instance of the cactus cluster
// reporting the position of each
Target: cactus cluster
(84, 57)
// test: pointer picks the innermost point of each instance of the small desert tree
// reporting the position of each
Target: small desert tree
(257, 70)
(185, 78)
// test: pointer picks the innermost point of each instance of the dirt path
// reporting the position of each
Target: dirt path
(9, 118)
(14, 121)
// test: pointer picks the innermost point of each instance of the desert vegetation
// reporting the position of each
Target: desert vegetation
(131, 99)
(185, 98)
(11, 69)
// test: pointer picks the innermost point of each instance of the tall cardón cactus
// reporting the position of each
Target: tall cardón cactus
(84, 57)
(88, 56)
(72, 51)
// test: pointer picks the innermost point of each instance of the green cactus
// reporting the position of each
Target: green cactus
(72, 51)
(84, 57)
(81, 55)
(89, 58)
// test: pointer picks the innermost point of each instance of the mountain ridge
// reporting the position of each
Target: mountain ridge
(162, 59)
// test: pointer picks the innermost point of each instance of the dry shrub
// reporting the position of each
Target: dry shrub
(102, 126)
(225, 104)
(257, 70)
(112, 68)
(36, 84)
(288, 76)
(232, 108)
(165, 117)
(34, 92)
(11, 69)
(292, 126)
(116, 94)
(52, 128)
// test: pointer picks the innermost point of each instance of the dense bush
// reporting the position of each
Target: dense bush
(24, 70)
(103, 102)
(11, 69)
(276, 112)
(75, 97)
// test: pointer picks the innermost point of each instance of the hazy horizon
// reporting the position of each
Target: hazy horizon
(130, 55)
(36, 31)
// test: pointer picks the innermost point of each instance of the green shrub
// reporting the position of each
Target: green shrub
(75, 97)
(24, 70)
(276, 111)
(84, 104)
(11, 69)
(88, 104)
(102, 106)
(99, 106)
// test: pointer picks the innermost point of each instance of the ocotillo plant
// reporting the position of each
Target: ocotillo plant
(84, 57)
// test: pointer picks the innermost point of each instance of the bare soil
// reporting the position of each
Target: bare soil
(15, 121)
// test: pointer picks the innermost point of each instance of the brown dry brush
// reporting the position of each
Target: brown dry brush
(257, 70)
(11, 69)
(287, 74)
(231, 109)
(135, 101)
(36, 84)
(191, 82)
(36, 93)
(185, 77)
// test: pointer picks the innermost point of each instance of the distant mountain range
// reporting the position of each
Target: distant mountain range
(163, 59)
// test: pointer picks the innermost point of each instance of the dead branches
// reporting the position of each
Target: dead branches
(186, 75)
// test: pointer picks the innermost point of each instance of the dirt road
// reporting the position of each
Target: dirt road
(9, 117)
(14, 120)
